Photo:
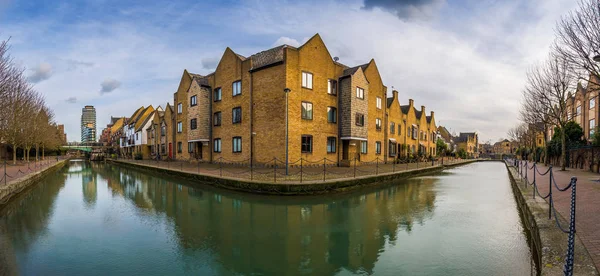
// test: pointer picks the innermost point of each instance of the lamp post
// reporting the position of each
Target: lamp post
(286, 91)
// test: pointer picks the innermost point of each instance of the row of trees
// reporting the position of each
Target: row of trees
(25, 120)
(572, 59)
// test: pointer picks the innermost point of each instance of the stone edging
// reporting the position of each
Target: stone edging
(549, 241)
(20, 185)
(341, 185)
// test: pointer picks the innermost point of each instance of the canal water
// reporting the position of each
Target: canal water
(100, 219)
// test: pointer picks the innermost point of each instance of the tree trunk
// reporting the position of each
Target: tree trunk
(37, 152)
(43, 153)
(564, 149)
(14, 154)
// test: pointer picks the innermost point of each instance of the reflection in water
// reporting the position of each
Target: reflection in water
(132, 222)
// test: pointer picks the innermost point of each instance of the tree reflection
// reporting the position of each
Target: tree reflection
(279, 235)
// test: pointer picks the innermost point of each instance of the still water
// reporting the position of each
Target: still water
(99, 219)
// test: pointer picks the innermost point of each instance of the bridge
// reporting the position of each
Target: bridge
(86, 147)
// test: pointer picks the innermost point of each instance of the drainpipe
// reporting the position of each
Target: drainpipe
(251, 122)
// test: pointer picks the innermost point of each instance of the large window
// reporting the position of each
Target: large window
(179, 147)
(193, 100)
(163, 130)
(217, 94)
(415, 132)
(162, 148)
(377, 147)
(307, 111)
(378, 123)
(360, 119)
(363, 147)
(194, 123)
(392, 127)
(592, 103)
(331, 114)
(217, 145)
(378, 103)
(331, 144)
(236, 144)
(236, 115)
(307, 80)
(578, 110)
(360, 93)
(190, 147)
(217, 118)
(307, 142)
(332, 87)
(237, 88)
(179, 127)
(392, 148)
(592, 127)
(179, 108)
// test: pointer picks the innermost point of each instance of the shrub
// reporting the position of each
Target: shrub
(137, 156)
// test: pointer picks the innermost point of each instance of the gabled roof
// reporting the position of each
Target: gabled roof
(201, 80)
(428, 118)
(418, 113)
(405, 108)
(139, 122)
(268, 57)
(390, 101)
(351, 71)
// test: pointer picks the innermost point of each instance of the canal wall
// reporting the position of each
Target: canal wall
(547, 239)
(18, 186)
(288, 188)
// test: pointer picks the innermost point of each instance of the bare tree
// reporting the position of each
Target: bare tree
(578, 40)
(545, 93)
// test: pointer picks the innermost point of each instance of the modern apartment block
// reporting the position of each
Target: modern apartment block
(241, 111)
(88, 124)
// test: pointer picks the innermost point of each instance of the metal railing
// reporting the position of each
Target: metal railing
(523, 168)
(300, 170)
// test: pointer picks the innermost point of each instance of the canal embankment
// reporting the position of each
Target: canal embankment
(15, 187)
(548, 240)
(311, 187)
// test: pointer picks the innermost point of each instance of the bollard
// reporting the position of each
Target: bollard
(550, 194)
(534, 185)
(377, 166)
(301, 166)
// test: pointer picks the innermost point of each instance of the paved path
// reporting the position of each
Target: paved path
(587, 208)
(311, 172)
(21, 169)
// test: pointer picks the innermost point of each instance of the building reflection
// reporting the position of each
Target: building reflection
(250, 234)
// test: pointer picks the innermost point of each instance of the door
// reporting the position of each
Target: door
(345, 148)
(170, 151)
(199, 150)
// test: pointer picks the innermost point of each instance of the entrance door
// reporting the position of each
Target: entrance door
(199, 150)
(170, 151)
(345, 148)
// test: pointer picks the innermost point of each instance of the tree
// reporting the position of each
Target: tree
(546, 91)
(596, 137)
(462, 153)
(441, 147)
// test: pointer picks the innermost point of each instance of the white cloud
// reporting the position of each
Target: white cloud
(286, 40)
(41, 72)
(109, 85)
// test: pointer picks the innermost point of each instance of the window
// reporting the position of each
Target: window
(193, 123)
(377, 147)
(592, 127)
(331, 144)
(392, 148)
(415, 132)
(378, 124)
(332, 87)
(378, 103)
(237, 88)
(217, 118)
(179, 127)
(162, 148)
(592, 103)
(307, 80)
(331, 114)
(392, 127)
(179, 146)
(307, 141)
(217, 94)
(360, 119)
(360, 93)
(217, 145)
(578, 110)
(179, 108)
(307, 111)
(236, 144)
(190, 147)
(399, 130)
(193, 101)
(236, 115)
(363, 147)
(137, 136)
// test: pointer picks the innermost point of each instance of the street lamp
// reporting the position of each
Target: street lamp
(286, 91)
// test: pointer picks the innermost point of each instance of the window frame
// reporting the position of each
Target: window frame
(578, 110)
(592, 129)
(302, 112)
(392, 128)
(360, 95)
(190, 147)
(332, 148)
(233, 121)
(377, 147)
(179, 127)
(193, 124)
(179, 147)
(332, 89)
(217, 142)
(592, 100)
(378, 124)
(233, 90)
(215, 116)
(194, 100)
(302, 80)
(378, 103)
(309, 143)
(233, 144)
(215, 94)
(179, 108)
(334, 110)
(364, 147)
(359, 119)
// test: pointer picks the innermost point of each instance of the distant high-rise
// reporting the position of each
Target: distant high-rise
(88, 124)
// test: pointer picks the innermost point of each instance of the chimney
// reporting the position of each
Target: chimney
(423, 109)
(411, 102)
(432, 113)
(395, 94)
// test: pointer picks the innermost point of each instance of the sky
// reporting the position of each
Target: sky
(465, 59)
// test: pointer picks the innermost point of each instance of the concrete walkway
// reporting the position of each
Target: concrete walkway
(588, 203)
(10, 173)
(311, 172)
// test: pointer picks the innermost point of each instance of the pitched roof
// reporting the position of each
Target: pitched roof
(201, 80)
(405, 108)
(117, 124)
(428, 118)
(146, 120)
(142, 118)
(351, 71)
(418, 113)
(390, 101)
(268, 57)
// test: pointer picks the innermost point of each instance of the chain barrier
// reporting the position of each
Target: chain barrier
(522, 168)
